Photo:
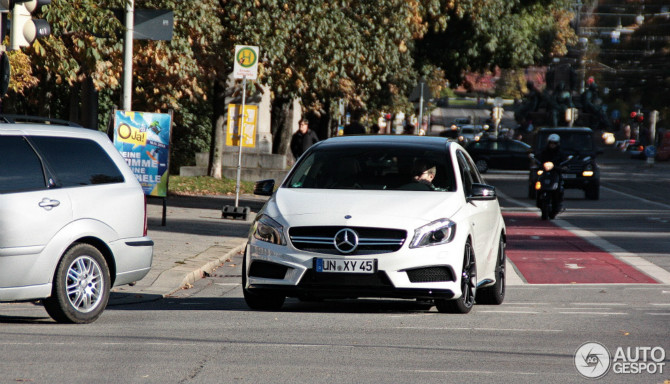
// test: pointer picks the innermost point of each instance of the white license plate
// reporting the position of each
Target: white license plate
(345, 266)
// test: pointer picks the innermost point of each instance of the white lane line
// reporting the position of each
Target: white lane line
(636, 197)
(659, 314)
(593, 313)
(483, 329)
(516, 312)
(468, 372)
(598, 304)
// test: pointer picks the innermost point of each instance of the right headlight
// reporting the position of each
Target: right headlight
(268, 230)
(438, 232)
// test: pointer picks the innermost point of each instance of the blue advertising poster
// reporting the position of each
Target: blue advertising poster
(143, 139)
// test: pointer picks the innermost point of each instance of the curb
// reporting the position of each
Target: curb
(176, 278)
(207, 268)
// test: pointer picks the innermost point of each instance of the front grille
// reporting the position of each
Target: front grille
(313, 279)
(575, 168)
(430, 275)
(267, 270)
(371, 241)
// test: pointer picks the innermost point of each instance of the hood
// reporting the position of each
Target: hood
(396, 209)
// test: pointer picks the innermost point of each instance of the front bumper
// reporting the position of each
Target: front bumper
(424, 273)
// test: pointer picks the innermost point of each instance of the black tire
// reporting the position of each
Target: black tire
(545, 208)
(495, 294)
(265, 301)
(468, 286)
(592, 192)
(81, 286)
(482, 165)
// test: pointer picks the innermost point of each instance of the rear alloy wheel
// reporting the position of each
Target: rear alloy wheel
(468, 286)
(482, 165)
(81, 286)
(261, 301)
(495, 294)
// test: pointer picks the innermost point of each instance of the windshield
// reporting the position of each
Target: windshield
(573, 141)
(376, 168)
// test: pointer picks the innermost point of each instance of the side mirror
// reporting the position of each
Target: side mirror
(482, 192)
(264, 187)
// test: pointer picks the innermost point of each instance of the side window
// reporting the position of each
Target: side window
(76, 162)
(20, 167)
(465, 174)
(469, 172)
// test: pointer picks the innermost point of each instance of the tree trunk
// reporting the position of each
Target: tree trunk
(89, 104)
(215, 167)
(281, 126)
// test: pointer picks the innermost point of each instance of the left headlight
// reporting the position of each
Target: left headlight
(268, 230)
(438, 232)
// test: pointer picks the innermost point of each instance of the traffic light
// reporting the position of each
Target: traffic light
(637, 116)
(24, 29)
(496, 113)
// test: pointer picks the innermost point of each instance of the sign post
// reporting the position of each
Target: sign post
(245, 67)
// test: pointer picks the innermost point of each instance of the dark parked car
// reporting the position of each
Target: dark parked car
(582, 171)
(499, 154)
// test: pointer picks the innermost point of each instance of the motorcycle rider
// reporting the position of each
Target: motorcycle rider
(552, 153)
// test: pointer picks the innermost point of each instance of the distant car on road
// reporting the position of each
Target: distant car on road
(469, 133)
(490, 153)
(356, 218)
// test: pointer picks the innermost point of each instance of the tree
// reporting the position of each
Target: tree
(320, 51)
(471, 35)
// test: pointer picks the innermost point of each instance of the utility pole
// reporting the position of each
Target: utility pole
(126, 100)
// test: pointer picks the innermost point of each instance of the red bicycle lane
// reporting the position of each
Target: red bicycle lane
(545, 253)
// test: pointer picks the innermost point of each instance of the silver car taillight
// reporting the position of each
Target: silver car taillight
(144, 232)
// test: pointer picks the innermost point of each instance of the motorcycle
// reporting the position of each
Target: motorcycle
(549, 188)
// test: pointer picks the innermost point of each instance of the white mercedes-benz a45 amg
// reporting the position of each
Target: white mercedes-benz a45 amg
(381, 217)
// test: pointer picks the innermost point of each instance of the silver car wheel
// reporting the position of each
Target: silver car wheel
(84, 284)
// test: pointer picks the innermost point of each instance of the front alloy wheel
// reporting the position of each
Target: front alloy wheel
(468, 286)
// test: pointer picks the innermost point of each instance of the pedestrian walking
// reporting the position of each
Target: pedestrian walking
(302, 139)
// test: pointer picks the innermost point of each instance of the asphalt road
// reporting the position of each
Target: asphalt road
(206, 334)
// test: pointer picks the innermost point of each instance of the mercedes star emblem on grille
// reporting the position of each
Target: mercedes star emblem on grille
(346, 240)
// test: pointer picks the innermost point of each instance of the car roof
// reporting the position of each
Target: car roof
(48, 130)
(566, 129)
(433, 142)
(23, 119)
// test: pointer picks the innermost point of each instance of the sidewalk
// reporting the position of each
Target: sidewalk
(194, 241)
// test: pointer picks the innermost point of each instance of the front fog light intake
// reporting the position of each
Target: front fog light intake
(268, 230)
(438, 232)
